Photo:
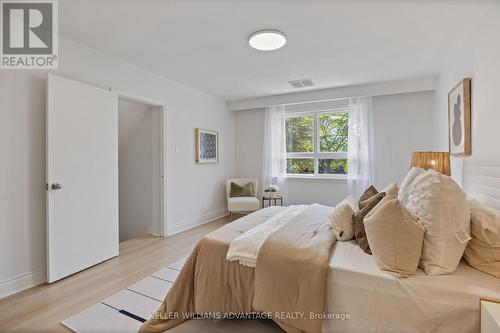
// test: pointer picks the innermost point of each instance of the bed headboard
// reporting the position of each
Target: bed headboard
(481, 179)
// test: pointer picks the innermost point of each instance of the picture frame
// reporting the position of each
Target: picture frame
(459, 119)
(207, 146)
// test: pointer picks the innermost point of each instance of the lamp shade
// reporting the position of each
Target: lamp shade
(436, 160)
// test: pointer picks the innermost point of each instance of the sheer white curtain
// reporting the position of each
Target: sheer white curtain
(274, 152)
(360, 149)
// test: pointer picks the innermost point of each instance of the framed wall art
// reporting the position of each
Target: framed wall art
(459, 118)
(207, 146)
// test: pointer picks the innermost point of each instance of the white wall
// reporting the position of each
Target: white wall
(138, 168)
(195, 192)
(249, 143)
(402, 124)
(477, 57)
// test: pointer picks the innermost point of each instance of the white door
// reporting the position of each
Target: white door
(82, 176)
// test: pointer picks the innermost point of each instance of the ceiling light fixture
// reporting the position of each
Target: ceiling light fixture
(267, 40)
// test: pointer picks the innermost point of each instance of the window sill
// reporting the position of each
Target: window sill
(319, 178)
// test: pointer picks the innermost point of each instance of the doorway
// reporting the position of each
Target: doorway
(82, 173)
(140, 168)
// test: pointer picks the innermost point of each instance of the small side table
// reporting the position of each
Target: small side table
(272, 201)
(490, 315)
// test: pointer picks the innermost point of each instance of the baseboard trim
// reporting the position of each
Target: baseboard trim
(195, 221)
(32, 279)
(22, 282)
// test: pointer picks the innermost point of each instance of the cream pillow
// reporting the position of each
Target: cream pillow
(407, 181)
(483, 250)
(341, 219)
(442, 208)
(395, 237)
(392, 189)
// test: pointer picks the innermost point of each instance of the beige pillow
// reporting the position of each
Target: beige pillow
(341, 219)
(395, 237)
(442, 208)
(483, 250)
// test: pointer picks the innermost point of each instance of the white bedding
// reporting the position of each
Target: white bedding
(379, 302)
(245, 247)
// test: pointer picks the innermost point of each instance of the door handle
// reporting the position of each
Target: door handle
(56, 186)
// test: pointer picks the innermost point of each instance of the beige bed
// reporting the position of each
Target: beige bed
(361, 296)
(287, 284)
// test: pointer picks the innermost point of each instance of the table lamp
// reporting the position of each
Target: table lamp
(436, 160)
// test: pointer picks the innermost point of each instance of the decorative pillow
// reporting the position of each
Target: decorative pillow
(241, 191)
(357, 219)
(395, 237)
(367, 194)
(407, 181)
(483, 250)
(341, 219)
(442, 208)
(392, 189)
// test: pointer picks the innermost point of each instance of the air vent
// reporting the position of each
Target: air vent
(301, 83)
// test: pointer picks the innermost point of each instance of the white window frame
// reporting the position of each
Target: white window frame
(316, 155)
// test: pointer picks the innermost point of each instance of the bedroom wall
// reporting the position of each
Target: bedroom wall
(476, 55)
(195, 192)
(402, 124)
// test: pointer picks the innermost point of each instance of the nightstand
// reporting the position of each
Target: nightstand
(272, 201)
(490, 315)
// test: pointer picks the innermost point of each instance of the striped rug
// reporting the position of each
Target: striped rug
(126, 310)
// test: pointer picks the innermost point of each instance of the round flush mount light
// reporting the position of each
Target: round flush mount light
(267, 40)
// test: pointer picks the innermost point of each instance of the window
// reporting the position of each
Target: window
(316, 144)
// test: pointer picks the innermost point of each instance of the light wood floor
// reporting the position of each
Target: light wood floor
(42, 308)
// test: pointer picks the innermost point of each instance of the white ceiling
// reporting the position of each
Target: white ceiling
(336, 43)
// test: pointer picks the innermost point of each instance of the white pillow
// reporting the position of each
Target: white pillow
(441, 205)
(341, 219)
(407, 181)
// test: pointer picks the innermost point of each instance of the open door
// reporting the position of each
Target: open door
(82, 176)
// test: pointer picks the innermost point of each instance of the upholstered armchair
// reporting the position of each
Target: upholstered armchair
(242, 204)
